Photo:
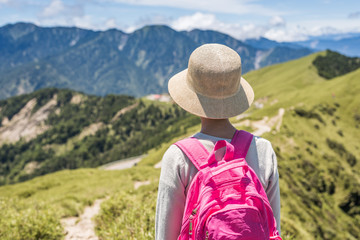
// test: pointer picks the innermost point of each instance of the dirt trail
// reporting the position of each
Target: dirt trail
(264, 125)
(123, 164)
(139, 184)
(82, 227)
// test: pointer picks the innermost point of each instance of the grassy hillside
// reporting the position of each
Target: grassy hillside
(317, 147)
(318, 160)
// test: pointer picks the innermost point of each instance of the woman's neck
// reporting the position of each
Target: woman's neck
(221, 128)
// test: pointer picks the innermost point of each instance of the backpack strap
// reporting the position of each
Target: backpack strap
(241, 141)
(195, 151)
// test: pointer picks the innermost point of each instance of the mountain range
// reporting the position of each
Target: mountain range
(103, 62)
(347, 44)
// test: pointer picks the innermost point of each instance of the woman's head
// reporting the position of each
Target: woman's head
(212, 86)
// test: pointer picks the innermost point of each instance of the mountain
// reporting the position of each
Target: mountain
(103, 62)
(160, 51)
(345, 45)
(23, 43)
(69, 57)
(277, 54)
(312, 122)
(264, 43)
(274, 52)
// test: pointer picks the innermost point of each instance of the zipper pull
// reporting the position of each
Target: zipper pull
(190, 224)
(193, 213)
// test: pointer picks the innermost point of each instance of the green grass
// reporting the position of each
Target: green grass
(21, 219)
(69, 191)
(314, 178)
(129, 215)
(36, 206)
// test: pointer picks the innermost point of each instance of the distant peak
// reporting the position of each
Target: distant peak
(20, 24)
(17, 30)
(156, 27)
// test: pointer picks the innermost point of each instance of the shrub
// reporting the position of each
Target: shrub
(340, 133)
(128, 215)
(340, 149)
(309, 114)
(334, 64)
(351, 203)
(19, 222)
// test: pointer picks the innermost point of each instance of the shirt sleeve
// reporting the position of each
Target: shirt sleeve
(273, 191)
(171, 196)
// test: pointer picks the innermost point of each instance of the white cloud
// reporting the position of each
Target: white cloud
(285, 34)
(198, 20)
(149, 20)
(83, 22)
(276, 29)
(209, 21)
(110, 23)
(58, 13)
(224, 6)
(277, 21)
(4, 1)
(56, 7)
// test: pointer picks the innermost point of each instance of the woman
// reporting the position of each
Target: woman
(213, 89)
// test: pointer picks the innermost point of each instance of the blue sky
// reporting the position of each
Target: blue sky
(288, 20)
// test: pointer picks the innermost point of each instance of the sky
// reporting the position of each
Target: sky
(286, 20)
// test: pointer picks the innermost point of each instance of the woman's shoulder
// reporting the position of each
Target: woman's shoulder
(261, 151)
(173, 153)
(260, 142)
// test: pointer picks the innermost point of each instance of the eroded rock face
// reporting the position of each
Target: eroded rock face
(26, 124)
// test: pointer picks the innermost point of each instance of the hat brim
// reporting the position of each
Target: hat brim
(207, 107)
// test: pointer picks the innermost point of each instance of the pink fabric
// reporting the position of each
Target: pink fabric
(226, 199)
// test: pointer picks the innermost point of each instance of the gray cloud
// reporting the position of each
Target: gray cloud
(57, 13)
(354, 15)
(59, 8)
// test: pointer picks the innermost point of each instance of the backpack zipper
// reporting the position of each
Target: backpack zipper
(207, 235)
(191, 217)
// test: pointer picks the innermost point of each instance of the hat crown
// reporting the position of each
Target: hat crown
(214, 71)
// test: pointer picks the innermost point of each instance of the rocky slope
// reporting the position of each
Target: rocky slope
(53, 129)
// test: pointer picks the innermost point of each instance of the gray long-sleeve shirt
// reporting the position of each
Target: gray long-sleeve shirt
(177, 172)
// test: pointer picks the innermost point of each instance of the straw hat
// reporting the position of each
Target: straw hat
(212, 86)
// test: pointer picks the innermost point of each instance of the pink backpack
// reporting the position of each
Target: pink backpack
(226, 199)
